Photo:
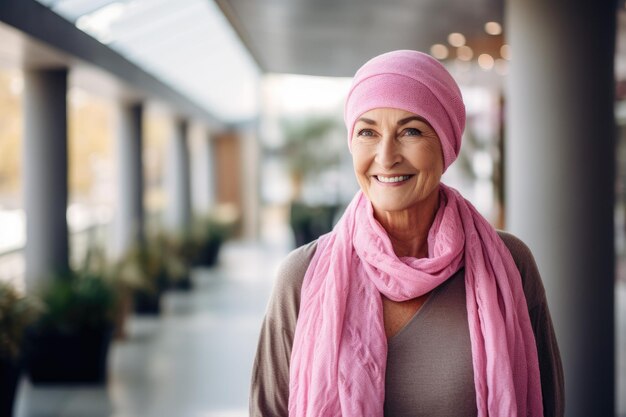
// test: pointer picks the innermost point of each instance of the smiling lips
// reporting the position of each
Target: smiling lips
(391, 180)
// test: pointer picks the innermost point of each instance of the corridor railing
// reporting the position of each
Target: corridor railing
(12, 262)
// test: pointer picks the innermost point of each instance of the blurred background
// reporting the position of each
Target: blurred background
(159, 158)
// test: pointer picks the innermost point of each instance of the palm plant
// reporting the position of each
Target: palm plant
(307, 149)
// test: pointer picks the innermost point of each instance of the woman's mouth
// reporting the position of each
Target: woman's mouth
(392, 179)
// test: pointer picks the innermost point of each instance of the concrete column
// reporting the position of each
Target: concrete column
(130, 210)
(178, 212)
(560, 178)
(203, 177)
(45, 173)
(250, 185)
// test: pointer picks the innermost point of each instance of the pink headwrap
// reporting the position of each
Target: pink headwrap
(412, 81)
(339, 351)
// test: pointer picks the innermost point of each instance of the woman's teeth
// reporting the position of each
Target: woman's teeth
(393, 179)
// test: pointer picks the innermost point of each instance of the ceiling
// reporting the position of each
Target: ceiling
(212, 50)
(186, 44)
(334, 37)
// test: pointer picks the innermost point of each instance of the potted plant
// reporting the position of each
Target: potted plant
(160, 263)
(70, 341)
(308, 150)
(146, 261)
(309, 222)
(210, 232)
(126, 276)
(177, 256)
(17, 312)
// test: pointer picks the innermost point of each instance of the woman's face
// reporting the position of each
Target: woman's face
(397, 159)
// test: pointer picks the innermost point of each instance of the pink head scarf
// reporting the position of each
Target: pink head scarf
(339, 352)
(415, 82)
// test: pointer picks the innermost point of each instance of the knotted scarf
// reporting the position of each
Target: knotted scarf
(339, 351)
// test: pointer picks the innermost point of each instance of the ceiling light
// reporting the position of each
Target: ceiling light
(464, 53)
(99, 23)
(439, 51)
(485, 61)
(493, 28)
(456, 39)
(505, 52)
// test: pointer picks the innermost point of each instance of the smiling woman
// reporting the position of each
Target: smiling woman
(414, 305)
(398, 163)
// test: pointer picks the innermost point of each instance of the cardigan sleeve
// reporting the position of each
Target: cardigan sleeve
(550, 366)
(269, 392)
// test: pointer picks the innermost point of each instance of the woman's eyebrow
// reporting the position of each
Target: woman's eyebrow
(410, 119)
(400, 122)
(366, 120)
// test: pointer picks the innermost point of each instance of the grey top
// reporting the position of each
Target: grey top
(429, 361)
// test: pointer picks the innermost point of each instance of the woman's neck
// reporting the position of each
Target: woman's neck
(408, 229)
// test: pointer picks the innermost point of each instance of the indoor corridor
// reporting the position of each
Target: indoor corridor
(192, 361)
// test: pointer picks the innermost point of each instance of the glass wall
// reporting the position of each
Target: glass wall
(12, 221)
(157, 129)
(92, 171)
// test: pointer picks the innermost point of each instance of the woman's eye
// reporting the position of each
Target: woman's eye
(365, 132)
(411, 131)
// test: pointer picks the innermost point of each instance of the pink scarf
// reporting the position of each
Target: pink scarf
(339, 353)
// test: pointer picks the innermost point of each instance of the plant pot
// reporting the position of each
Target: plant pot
(182, 284)
(310, 222)
(207, 254)
(147, 303)
(69, 357)
(211, 252)
(10, 371)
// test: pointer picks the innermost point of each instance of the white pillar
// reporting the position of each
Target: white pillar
(45, 173)
(178, 212)
(129, 225)
(560, 178)
(203, 177)
(250, 201)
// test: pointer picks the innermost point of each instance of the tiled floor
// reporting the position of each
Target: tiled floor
(193, 361)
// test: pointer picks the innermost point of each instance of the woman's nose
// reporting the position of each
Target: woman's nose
(388, 152)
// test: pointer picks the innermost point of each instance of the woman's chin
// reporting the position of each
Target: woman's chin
(389, 206)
